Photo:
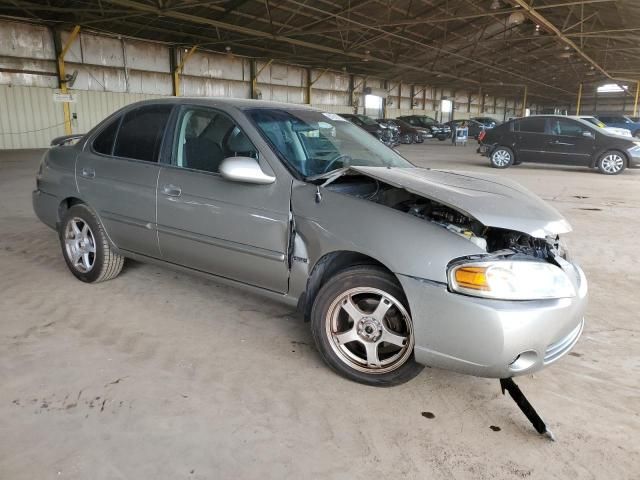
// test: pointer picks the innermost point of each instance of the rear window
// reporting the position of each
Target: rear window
(141, 133)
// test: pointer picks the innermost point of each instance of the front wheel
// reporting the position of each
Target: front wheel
(362, 327)
(611, 163)
(86, 248)
(502, 157)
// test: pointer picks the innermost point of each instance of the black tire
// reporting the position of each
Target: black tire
(328, 305)
(442, 138)
(105, 264)
(611, 162)
(502, 157)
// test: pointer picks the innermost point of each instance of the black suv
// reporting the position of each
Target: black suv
(438, 130)
(558, 140)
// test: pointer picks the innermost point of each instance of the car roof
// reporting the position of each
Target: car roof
(239, 103)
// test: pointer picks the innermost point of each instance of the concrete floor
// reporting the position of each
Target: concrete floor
(162, 375)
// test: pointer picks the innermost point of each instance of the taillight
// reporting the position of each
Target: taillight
(482, 135)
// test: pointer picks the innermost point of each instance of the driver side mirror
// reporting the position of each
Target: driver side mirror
(244, 170)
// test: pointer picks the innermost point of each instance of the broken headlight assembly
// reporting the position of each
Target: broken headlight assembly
(510, 280)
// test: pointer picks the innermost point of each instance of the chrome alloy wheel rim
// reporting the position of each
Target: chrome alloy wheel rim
(501, 158)
(80, 245)
(612, 163)
(369, 330)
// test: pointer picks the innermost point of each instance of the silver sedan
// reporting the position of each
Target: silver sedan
(394, 266)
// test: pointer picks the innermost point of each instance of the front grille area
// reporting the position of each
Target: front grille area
(559, 348)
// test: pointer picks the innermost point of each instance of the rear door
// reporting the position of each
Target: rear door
(230, 229)
(117, 175)
(532, 143)
(572, 142)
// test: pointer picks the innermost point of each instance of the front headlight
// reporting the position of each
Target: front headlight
(511, 280)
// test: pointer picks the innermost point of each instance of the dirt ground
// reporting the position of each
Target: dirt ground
(160, 375)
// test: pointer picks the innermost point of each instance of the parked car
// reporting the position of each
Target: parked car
(488, 122)
(288, 201)
(383, 133)
(635, 119)
(616, 131)
(406, 133)
(621, 121)
(561, 140)
(438, 130)
(474, 127)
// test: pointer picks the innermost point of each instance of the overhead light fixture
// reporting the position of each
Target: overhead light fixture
(495, 5)
(537, 31)
(516, 18)
(366, 55)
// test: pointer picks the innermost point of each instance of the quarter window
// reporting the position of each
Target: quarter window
(141, 132)
(104, 141)
(206, 137)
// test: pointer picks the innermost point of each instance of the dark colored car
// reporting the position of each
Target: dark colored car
(438, 130)
(620, 121)
(474, 127)
(381, 132)
(488, 122)
(406, 133)
(559, 140)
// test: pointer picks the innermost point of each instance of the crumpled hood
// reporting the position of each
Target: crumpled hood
(493, 201)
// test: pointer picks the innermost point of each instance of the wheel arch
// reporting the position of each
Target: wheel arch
(600, 153)
(66, 204)
(326, 267)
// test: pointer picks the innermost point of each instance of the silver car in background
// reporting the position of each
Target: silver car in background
(394, 266)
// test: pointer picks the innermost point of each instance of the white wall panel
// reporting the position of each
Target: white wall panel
(153, 57)
(29, 118)
(26, 40)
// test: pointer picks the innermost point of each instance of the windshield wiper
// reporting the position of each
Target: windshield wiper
(330, 176)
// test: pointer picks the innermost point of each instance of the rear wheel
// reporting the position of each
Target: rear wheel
(502, 157)
(611, 163)
(86, 248)
(363, 329)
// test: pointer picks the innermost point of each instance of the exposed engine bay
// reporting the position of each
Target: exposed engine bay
(493, 240)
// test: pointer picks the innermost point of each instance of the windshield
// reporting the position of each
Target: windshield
(314, 143)
(366, 120)
(595, 121)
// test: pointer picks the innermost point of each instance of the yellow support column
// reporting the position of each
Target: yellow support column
(254, 80)
(178, 71)
(579, 99)
(524, 101)
(63, 77)
(635, 104)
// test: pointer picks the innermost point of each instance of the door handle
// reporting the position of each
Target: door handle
(558, 142)
(88, 172)
(172, 190)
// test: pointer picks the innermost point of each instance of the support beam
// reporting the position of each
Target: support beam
(178, 71)
(311, 82)
(635, 103)
(63, 77)
(579, 99)
(524, 101)
(254, 77)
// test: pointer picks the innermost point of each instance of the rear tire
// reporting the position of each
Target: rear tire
(611, 163)
(362, 327)
(86, 248)
(502, 157)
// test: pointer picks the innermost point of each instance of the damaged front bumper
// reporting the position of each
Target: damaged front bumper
(493, 338)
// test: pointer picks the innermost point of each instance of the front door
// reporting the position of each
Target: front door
(117, 174)
(572, 144)
(230, 229)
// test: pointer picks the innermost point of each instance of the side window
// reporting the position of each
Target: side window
(141, 132)
(205, 137)
(565, 127)
(103, 143)
(532, 124)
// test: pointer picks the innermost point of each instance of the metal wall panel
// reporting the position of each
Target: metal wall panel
(212, 65)
(29, 118)
(149, 56)
(25, 40)
(213, 87)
